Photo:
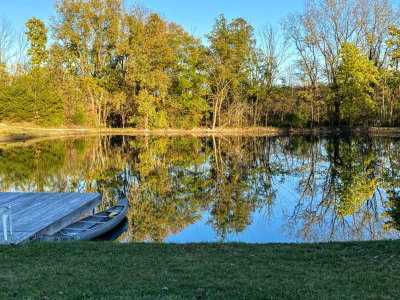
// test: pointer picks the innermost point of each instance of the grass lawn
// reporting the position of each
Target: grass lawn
(103, 270)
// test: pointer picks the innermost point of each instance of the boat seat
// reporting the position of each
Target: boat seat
(114, 210)
(74, 229)
(6, 211)
(68, 233)
(92, 221)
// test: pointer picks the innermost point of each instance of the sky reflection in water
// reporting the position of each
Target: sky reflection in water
(248, 189)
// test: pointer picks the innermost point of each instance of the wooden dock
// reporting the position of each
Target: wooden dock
(43, 213)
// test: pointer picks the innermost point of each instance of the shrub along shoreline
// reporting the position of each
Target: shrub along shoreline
(105, 270)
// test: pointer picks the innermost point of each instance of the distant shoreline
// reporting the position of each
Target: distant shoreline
(10, 133)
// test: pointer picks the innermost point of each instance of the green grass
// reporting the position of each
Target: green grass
(368, 270)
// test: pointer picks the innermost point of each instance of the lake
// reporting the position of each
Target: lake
(207, 189)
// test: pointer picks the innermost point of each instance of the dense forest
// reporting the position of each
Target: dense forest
(100, 63)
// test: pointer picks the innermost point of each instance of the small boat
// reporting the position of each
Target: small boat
(92, 226)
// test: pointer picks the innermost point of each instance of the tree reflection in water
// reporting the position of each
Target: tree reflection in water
(318, 189)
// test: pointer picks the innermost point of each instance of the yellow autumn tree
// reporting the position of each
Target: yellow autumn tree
(357, 77)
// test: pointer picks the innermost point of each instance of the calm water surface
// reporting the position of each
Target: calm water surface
(249, 189)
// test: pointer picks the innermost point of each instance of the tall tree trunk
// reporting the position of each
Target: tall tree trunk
(219, 113)
(215, 113)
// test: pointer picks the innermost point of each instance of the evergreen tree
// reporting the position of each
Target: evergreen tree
(47, 108)
(37, 36)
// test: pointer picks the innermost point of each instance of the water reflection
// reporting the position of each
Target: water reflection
(252, 189)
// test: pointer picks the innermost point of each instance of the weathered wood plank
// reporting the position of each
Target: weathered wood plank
(72, 215)
(36, 213)
(8, 198)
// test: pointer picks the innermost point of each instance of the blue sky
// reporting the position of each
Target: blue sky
(197, 17)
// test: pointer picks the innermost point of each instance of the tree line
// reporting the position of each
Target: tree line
(100, 63)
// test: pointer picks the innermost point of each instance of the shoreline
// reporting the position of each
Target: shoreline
(16, 133)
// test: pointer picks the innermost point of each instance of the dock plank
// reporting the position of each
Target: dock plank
(37, 213)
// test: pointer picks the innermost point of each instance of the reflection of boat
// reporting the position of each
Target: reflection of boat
(116, 232)
(92, 226)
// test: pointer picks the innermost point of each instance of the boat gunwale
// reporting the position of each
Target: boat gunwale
(77, 235)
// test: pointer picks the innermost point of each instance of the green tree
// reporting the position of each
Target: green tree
(32, 98)
(357, 77)
(231, 45)
(47, 107)
(4, 77)
(88, 32)
(186, 104)
(394, 45)
(150, 56)
(16, 100)
(37, 36)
